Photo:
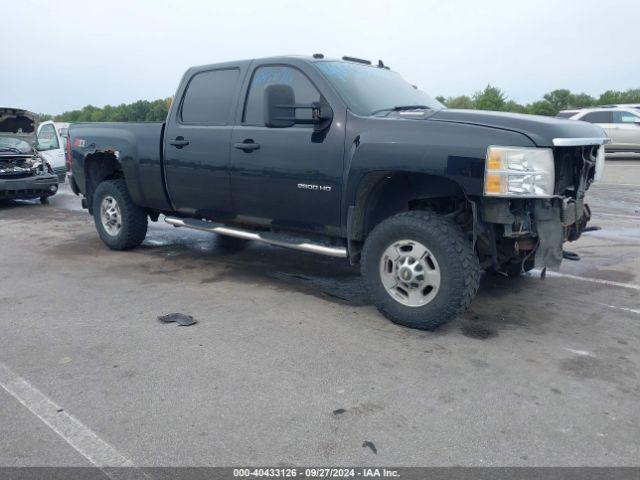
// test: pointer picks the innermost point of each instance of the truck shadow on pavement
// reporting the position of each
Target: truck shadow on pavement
(328, 278)
(501, 302)
(196, 258)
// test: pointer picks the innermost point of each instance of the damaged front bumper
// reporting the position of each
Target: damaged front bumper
(42, 184)
(557, 221)
(26, 176)
(513, 229)
(533, 230)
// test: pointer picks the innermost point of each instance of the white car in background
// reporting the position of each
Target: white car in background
(622, 124)
(51, 147)
(63, 130)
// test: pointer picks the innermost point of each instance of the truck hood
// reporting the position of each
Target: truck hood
(543, 131)
(18, 123)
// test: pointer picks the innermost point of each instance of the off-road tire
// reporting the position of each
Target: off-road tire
(134, 218)
(457, 261)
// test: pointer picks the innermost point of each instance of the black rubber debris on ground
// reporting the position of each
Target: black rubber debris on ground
(180, 318)
(570, 255)
(339, 411)
(370, 445)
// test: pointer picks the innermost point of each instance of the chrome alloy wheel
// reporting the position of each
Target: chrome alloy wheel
(410, 273)
(110, 215)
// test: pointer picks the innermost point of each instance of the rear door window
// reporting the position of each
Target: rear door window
(566, 114)
(209, 97)
(598, 117)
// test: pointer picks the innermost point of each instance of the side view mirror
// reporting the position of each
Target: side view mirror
(279, 101)
(637, 122)
(280, 109)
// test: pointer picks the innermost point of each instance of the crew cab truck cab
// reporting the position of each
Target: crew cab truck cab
(347, 159)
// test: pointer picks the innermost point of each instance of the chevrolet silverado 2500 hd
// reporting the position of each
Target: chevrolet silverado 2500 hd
(345, 158)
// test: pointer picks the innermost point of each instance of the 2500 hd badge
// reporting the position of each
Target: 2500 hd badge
(322, 188)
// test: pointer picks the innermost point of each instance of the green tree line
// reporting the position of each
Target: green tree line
(140, 111)
(490, 98)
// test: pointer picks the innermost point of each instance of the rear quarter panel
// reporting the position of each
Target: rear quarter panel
(138, 149)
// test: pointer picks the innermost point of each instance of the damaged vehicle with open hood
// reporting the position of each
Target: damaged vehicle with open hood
(24, 173)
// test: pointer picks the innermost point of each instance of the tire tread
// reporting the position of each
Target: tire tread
(134, 226)
(465, 271)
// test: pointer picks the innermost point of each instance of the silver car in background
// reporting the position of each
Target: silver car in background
(621, 122)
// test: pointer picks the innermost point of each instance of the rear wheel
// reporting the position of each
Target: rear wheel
(121, 224)
(420, 268)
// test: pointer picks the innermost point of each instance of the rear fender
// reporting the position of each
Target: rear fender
(104, 154)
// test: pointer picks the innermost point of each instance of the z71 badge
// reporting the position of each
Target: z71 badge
(308, 186)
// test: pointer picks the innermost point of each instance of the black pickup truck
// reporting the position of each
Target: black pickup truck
(345, 158)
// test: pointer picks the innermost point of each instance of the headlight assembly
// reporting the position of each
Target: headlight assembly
(519, 172)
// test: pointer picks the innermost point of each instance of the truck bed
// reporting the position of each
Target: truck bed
(138, 147)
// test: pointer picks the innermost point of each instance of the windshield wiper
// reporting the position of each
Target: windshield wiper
(401, 108)
(10, 149)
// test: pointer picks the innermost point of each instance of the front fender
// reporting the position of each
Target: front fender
(453, 151)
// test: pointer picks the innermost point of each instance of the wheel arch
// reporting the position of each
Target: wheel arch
(382, 194)
(98, 167)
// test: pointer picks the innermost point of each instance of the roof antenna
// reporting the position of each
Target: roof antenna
(380, 64)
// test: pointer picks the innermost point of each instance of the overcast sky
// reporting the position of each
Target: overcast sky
(60, 55)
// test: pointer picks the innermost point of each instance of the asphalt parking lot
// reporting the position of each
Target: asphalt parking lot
(289, 364)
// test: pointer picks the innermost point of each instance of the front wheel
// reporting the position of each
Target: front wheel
(420, 268)
(121, 224)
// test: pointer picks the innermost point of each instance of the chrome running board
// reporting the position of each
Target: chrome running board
(296, 243)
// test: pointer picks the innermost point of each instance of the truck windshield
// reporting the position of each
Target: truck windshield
(14, 145)
(368, 89)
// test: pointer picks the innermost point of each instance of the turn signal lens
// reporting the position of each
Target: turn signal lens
(493, 184)
(67, 152)
(494, 160)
